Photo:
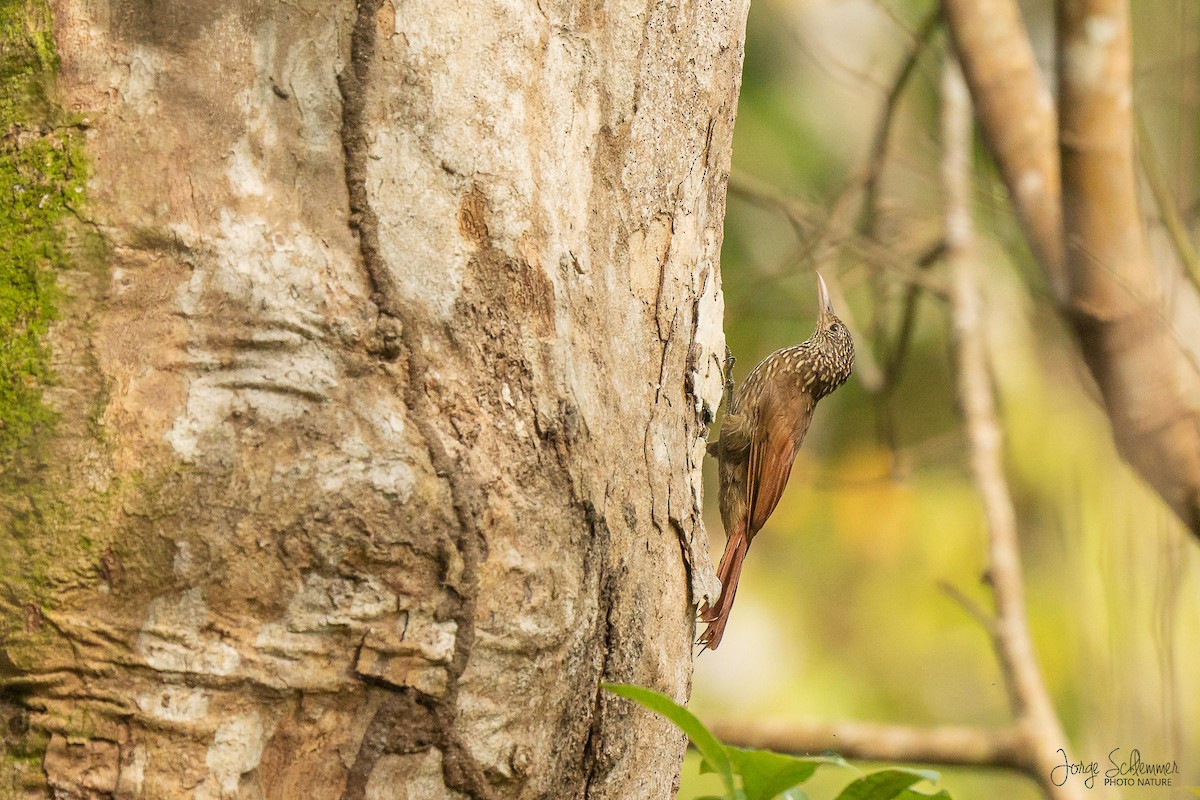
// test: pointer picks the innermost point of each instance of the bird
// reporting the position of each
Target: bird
(764, 426)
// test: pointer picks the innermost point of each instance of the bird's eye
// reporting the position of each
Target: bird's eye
(836, 327)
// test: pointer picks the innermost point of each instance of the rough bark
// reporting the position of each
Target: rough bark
(1074, 188)
(381, 426)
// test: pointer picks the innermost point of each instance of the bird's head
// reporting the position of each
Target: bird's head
(830, 329)
(835, 359)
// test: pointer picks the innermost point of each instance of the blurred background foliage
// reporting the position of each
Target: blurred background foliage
(841, 612)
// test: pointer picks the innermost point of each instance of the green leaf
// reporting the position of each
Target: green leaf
(913, 794)
(711, 750)
(765, 774)
(794, 793)
(887, 784)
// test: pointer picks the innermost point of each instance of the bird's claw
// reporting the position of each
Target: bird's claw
(727, 375)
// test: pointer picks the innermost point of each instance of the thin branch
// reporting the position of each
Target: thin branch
(805, 217)
(968, 605)
(883, 129)
(894, 361)
(908, 318)
(868, 223)
(1027, 691)
(856, 201)
(800, 214)
(1181, 239)
(950, 745)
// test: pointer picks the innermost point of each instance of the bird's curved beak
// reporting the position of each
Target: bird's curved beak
(824, 304)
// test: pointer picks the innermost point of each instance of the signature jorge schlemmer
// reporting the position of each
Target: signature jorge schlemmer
(1130, 770)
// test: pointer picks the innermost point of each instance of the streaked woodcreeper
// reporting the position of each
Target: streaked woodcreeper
(765, 423)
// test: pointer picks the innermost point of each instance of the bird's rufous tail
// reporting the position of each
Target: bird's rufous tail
(729, 570)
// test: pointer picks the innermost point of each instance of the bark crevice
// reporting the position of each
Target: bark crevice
(353, 84)
(595, 761)
(460, 770)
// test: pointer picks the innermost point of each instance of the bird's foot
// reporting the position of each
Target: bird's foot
(727, 374)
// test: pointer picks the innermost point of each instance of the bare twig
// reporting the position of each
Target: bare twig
(1027, 691)
(950, 745)
(800, 214)
(893, 361)
(891, 101)
(908, 318)
(1181, 239)
(868, 224)
(806, 217)
(860, 193)
(968, 604)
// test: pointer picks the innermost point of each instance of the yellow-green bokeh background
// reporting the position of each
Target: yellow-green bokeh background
(840, 614)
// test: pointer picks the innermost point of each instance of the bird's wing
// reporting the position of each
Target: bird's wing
(735, 435)
(773, 448)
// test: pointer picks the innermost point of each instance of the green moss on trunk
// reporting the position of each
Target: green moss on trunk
(41, 180)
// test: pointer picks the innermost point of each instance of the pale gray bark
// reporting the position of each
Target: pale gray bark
(382, 425)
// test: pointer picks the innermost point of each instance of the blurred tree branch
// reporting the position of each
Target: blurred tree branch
(892, 358)
(1168, 211)
(810, 223)
(883, 129)
(801, 214)
(1016, 114)
(1083, 224)
(1149, 381)
(908, 317)
(949, 745)
(1028, 696)
(967, 603)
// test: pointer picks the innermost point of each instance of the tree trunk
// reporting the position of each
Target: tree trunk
(381, 409)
